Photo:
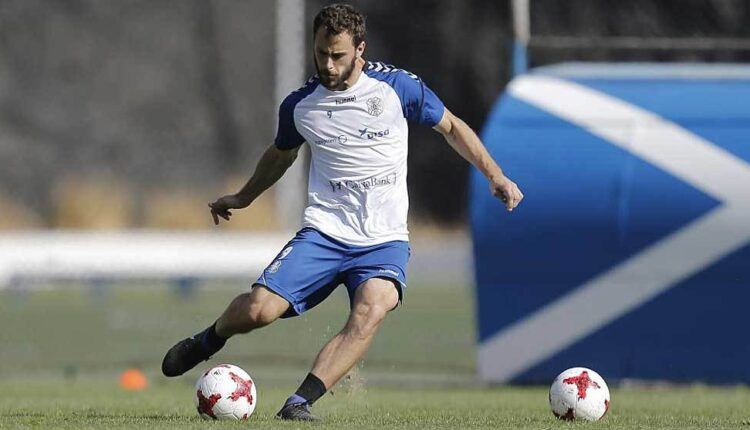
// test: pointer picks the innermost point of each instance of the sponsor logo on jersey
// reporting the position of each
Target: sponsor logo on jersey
(375, 106)
(372, 134)
(365, 184)
(342, 100)
(341, 139)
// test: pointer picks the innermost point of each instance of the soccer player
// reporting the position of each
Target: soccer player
(353, 114)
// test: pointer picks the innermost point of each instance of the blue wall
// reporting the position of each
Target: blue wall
(589, 206)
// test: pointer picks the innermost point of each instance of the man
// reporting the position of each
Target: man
(353, 114)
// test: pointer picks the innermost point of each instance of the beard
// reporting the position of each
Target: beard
(334, 82)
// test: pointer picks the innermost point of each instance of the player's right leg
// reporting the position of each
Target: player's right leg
(303, 274)
(250, 311)
(246, 312)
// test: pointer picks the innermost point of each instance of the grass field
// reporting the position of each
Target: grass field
(61, 353)
(99, 404)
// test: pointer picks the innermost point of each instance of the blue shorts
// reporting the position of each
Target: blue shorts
(312, 265)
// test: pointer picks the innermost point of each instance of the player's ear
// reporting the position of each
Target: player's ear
(360, 49)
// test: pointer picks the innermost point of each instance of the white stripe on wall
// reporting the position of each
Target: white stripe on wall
(626, 286)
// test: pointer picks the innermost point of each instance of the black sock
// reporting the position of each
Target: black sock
(212, 341)
(312, 388)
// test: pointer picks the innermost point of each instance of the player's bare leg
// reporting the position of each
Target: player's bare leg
(245, 313)
(250, 311)
(373, 299)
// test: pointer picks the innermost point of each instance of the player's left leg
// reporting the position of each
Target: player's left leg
(373, 299)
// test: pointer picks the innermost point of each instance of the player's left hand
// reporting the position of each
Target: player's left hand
(507, 191)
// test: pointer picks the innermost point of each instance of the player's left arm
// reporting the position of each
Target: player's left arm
(464, 141)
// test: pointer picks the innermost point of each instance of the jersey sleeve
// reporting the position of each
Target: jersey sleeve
(420, 104)
(287, 136)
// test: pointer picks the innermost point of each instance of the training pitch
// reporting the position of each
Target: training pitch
(98, 404)
(61, 352)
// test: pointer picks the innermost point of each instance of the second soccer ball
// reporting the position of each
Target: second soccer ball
(579, 393)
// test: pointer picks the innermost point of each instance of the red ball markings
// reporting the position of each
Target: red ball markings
(206, 404)
(582, 382)
(243, 388)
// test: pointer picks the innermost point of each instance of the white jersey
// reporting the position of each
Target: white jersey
(358, 139)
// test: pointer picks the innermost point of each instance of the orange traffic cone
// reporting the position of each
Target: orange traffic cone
(133, 380)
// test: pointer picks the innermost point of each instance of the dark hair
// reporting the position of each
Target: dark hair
(338, 18)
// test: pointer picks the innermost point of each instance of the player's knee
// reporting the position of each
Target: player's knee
(260, 307)
(377, 313)
(366, 318)
(380, 295)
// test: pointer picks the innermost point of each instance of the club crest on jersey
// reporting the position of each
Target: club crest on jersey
(375, 106)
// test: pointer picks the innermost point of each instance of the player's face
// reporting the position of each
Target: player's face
(335, 58)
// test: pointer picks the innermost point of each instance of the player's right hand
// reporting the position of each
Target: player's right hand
(220, 208)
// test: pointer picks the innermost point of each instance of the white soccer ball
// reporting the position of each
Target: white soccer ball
(579, 394)
(225, 392)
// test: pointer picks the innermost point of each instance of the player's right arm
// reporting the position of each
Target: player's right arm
(270, 168)
(274, 162)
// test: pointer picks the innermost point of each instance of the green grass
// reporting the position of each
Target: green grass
(61, 353)
(431, 337)
(85, 404)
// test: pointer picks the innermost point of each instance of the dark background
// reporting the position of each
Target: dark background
(176, 96)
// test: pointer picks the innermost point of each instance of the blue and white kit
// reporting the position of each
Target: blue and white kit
(357, 195)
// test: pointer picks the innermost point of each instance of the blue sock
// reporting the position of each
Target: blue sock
(295, 399)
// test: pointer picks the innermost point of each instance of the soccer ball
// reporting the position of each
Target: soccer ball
(225, 392)
(579, 393)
